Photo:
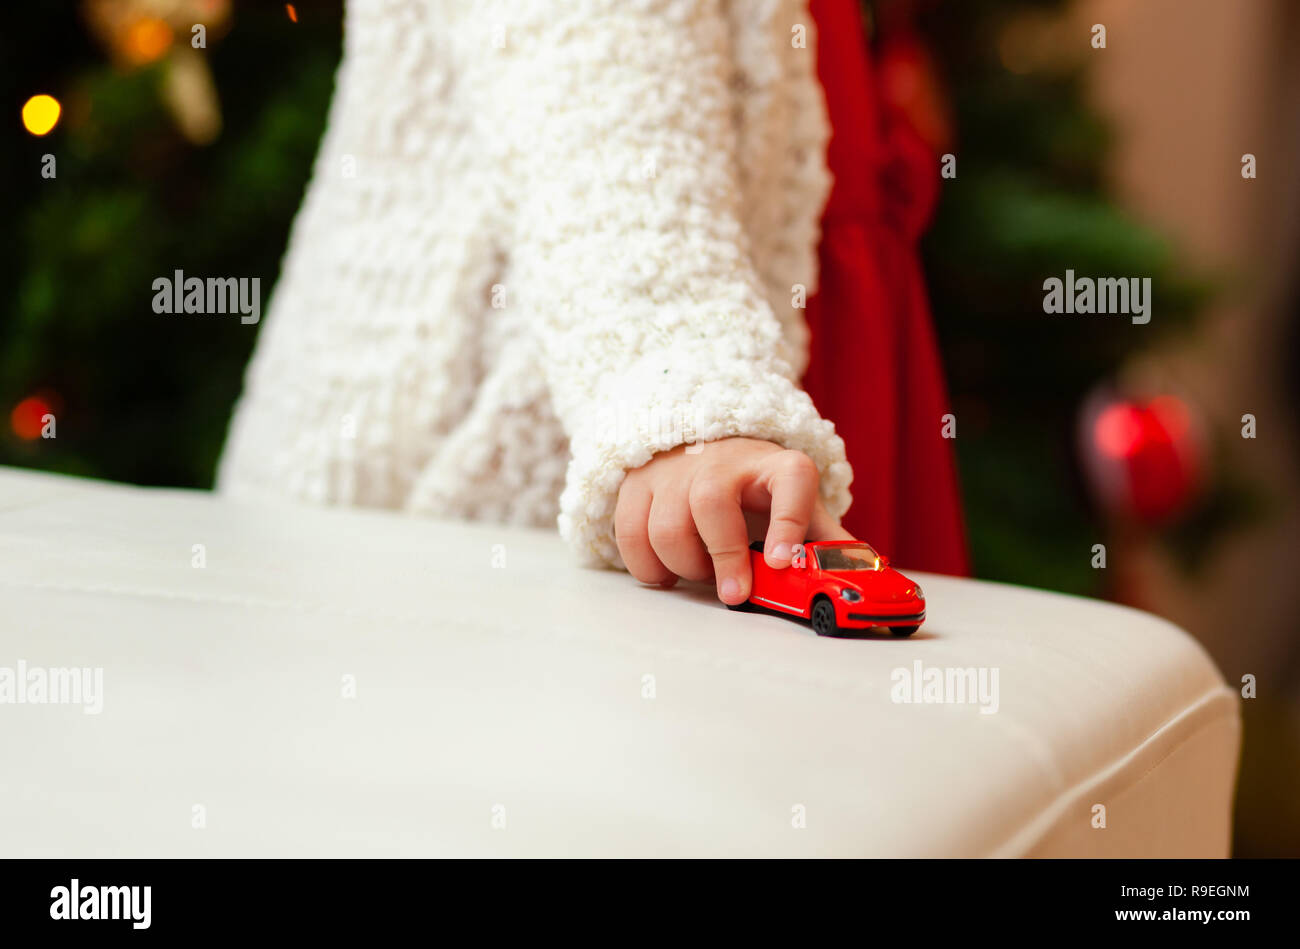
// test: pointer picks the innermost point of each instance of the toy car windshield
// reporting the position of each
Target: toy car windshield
(855, 557)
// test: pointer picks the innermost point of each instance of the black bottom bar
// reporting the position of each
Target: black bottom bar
(663, 900)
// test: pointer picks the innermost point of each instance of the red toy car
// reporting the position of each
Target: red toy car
(839, 586)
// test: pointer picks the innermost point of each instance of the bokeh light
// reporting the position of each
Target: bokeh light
(27, 417)
(1118, 431)
(147, 40)
(41, 113)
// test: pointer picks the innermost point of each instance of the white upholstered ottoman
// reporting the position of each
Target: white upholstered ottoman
(324, 682)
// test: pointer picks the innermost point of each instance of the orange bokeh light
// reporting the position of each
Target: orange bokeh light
(293, 14)
(147, 40)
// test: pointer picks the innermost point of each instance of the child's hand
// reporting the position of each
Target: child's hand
(682, 514)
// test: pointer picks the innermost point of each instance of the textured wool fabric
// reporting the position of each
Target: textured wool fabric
(544, 241)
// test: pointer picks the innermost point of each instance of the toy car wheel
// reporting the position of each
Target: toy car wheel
(823, 618)
(903, 630)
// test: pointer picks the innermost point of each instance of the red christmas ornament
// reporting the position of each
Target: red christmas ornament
(1144, 460)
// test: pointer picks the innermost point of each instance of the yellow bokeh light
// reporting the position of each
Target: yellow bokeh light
(41, 114)
(146, 40)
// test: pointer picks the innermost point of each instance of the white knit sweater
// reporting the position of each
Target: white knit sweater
(542, 242)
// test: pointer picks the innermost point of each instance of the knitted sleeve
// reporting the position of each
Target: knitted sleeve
(630, 257)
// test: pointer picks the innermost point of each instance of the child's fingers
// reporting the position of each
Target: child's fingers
(673, 535)
(715, 505)
(630, 519)
(791, 478)
(825, 527)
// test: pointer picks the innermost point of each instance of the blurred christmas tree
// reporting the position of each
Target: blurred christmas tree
(148, 179)
(1028, 202)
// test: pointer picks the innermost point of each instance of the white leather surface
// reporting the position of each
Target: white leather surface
(489, 695)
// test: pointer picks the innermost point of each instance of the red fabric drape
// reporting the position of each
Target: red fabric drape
(874, 368)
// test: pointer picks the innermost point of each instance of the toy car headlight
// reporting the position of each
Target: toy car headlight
(920, 594)
(850, 596)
